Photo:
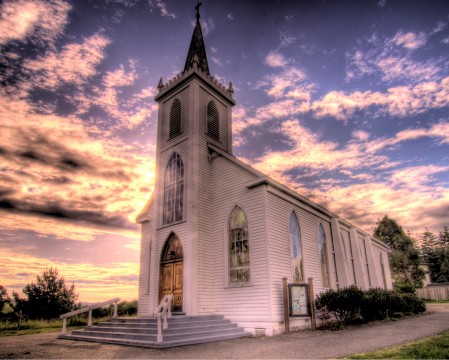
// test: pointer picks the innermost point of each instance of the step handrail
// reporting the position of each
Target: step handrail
(89, 309)
(163, 311)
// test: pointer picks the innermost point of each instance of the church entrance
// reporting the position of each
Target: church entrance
(171, 272)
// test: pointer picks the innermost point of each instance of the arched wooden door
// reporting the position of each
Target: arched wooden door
(171, 271)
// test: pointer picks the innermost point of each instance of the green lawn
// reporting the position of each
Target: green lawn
(435, 347)
(40, 326)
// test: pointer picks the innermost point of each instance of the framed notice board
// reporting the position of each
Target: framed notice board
(298, 296)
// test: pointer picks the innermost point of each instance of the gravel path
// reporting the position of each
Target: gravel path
(301, 345)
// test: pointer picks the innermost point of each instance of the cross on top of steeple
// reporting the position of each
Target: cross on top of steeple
(197, 8)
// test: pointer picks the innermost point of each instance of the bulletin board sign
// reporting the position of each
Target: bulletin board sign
(298, 296)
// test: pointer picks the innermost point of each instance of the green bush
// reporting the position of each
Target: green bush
(404, 288)
(345, 304)
(380, 304)
(412, 304)
(351, 305)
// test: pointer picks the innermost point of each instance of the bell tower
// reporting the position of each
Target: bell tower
(194, 118)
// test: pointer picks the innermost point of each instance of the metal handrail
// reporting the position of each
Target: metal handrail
(164, 311)
(89, 309)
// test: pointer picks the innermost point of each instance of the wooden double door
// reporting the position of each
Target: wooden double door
(171, 272)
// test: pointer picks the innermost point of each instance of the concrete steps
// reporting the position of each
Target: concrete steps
(182, 330)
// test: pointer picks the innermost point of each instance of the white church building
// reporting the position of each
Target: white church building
(220, 235)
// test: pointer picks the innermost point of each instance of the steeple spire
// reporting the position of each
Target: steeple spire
(197, 50)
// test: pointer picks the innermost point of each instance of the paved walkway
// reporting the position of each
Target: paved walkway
(301, 345)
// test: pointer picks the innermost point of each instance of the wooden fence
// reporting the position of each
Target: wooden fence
(434, 292)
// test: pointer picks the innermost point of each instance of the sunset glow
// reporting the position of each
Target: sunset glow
(346, 102)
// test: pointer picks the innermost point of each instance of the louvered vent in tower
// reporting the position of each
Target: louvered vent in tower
(175, 119)
(213, 122)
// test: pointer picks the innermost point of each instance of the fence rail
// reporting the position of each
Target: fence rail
(89, 309)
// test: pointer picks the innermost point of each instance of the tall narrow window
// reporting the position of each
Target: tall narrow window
(175, 119)
(322, 248)
(173, 190)
(238, 248)
(297, 268)
(382, 267)
(213, 122)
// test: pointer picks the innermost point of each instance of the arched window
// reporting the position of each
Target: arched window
(382, 267)
(173, 190)
(322, 249)
(297, 268)
(238, 248)
(175, 119)
(213, 122)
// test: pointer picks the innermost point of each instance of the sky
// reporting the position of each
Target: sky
(344, 101)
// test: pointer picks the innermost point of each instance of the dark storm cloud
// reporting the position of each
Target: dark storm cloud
(65, 212)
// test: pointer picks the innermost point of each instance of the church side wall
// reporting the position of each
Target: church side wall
(247, 305)
(278, 213)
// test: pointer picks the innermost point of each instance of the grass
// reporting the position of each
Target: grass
(435, 347)
(8, 328)
(436, 301)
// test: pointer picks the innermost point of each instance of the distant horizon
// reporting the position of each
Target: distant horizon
(346, 102)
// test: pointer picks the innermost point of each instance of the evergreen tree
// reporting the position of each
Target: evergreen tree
(435, 251)
(48, 297)
(405, 257)
(4, 297)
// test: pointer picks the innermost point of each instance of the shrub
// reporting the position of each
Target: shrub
(350, 305)
(380, 304)
(404, 288)
(344, 304)
(412, 304)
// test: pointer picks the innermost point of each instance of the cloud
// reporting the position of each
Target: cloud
(75, 64)
(63, 168)
(276, 59)
(93, 283)
(395, 59)
(230, 16)
(410, 40)
(398, 101)
(163, 8)
(41, 21)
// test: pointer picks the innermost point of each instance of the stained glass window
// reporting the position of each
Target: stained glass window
(213, 122)
(175, 119)
(322, 248)
(297, 268)
(239, 272)
(173, 190)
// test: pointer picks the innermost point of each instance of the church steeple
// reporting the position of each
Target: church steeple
(197, 50)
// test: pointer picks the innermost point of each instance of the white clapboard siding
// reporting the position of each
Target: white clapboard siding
(244, 302)
(144, 290)
(278, 214)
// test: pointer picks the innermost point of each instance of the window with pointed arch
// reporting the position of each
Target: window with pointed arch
(239, 271)
(173, 190)
(175, 119)
(322, 249)
(297, 267)
(213, 121)
(382, 267)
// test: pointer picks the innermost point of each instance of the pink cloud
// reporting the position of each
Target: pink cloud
(21, 19)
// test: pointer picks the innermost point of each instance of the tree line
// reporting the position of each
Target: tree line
(47, 298)
(408, 254)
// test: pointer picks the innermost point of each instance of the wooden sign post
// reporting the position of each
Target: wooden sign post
(312, 305)
(286, 309)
